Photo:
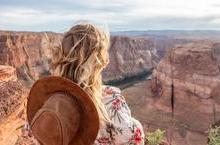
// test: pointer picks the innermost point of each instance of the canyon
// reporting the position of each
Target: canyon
(183, 94)
(30, 54)
(180, 96)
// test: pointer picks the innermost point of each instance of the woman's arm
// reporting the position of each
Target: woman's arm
(124, 129)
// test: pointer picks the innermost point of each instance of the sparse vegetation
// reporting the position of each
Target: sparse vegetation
(155, 138)
(214, 135)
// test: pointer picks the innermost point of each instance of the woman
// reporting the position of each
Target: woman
(82, 57)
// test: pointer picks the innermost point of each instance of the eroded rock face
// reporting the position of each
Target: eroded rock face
(30, 54)
(7, 73)
(193, 67)
(187, 79)
(12, 98)
(129, 56)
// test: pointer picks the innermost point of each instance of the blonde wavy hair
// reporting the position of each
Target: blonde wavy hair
(81, 58)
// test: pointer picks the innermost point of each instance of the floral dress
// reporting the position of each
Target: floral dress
(123, 129)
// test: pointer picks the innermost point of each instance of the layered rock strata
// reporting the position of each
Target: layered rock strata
(30, 53)
(129, 56)
(185, 85)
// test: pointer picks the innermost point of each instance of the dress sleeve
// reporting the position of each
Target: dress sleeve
(124, 129)
(116, 105)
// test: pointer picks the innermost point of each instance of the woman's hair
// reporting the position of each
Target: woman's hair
(82, 56)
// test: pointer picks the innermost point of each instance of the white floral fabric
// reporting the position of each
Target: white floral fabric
(123, 129)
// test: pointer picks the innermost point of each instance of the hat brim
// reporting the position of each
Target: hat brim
(42, 90)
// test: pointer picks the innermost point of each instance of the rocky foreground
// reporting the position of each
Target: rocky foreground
(12, 101)
(183, 95)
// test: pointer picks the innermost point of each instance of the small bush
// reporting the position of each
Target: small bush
(214, 136)
(155, 138)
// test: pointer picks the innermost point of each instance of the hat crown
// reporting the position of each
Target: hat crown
(60, 115)
(88, 118)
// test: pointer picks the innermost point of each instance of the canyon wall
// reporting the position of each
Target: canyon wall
(186, 84)
(129, 56)
(12, 99)
(30, 53)
(25, 56)
(164, 43)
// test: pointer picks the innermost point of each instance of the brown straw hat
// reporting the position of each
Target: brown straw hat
(61, 113)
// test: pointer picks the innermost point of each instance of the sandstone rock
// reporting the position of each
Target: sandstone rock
(7, 73)
(143, 104)
(12, 99)
(129, 56)
(164, 43)
(190, 73)
(30, 53)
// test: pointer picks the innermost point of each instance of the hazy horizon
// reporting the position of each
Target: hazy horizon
(149, 30)
(116, 15)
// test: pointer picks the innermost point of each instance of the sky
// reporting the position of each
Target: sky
(115, 15)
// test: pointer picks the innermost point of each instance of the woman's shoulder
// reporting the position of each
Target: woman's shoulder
(113, 99)
(115, 102)
(108, 90)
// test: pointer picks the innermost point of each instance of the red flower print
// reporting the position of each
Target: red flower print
(137, 137)
(109, 90)
(104, 140)
(137, 140)
(138, 131)
(116, 104)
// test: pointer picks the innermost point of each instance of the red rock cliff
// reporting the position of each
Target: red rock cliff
(30, 53)
(12, 98)
(129, 56)
(186, 79)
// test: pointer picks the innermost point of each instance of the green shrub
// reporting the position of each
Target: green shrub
(155, 138)
(214, 136)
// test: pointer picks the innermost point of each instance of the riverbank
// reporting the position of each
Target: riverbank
(129, 81)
